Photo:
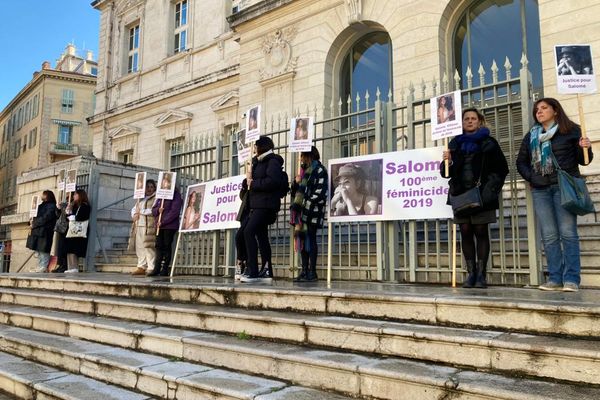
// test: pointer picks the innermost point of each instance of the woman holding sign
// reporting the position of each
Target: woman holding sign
(554, 137)
(476, 160)
(78, 211)
(42, 230)
(309, 199)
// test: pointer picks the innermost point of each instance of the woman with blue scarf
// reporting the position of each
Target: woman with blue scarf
(554, 135)
(475, 160)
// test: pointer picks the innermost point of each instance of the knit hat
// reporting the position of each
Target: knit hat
(264, 144)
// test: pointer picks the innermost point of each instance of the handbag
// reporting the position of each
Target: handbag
(77, 229)
(469, 202)
(574, 194)
(62, 223)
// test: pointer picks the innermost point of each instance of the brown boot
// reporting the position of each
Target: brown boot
(139, 272)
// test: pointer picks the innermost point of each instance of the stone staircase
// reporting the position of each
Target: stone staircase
(203, 337)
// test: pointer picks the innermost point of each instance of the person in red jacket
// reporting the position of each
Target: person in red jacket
(168, 226)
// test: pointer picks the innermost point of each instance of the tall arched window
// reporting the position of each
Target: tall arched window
(366, 67)
(493, 30)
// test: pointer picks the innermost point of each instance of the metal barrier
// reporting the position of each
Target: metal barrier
(411, 251)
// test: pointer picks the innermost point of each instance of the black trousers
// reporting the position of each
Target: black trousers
(309, 258)
(163, 245)
(61, 250)
(253, 228)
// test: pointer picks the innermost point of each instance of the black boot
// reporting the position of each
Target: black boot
(311, 274)
(302, 276)
(481, 278)
(470, 281)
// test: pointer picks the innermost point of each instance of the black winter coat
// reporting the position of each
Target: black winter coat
(566, 150)
(78, 245)
(266, 183)
(493, 171)
(42, 227)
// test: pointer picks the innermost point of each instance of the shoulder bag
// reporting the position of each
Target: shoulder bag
(574, 194)
(77, 229)
(469, 202)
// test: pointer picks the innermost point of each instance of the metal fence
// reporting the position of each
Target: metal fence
(412, 251)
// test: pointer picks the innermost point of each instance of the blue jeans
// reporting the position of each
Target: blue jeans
(43, 259)
(559, 234)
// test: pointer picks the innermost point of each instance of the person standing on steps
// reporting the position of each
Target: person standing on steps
(263, 183)
(475, 160)
(144, 234)
(42, 230)
(307, 212)
(78, 210)
(554, 135)
(167, 226)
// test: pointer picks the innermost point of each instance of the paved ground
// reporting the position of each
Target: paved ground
(588, 297)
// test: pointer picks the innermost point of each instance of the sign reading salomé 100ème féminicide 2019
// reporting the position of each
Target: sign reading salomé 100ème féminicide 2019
(402, 185)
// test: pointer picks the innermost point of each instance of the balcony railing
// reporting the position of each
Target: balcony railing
(64, 148)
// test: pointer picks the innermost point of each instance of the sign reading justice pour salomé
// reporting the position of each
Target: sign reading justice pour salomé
(402, 185)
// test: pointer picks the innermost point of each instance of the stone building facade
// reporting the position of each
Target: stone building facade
(46, 122)
(170, 70)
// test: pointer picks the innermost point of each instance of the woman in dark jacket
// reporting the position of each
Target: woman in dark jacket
(554, 134)
(42, 230)
(60, 230)
(309, 199)
(76, 247)
(475, 159)
(263, 183)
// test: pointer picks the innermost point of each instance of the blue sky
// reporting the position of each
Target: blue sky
(36, 30)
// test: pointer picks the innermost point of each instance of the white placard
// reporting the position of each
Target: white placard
(139, 189)
(61, 179)
(166, 185)
(71, 183)
(446, 111)
(252, 124)
(402, 185)
(574, 68)
(212, 205)
(244, 148)
(35, 202)
(302, 134)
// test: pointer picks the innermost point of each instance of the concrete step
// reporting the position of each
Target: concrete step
(25, 379)
(116, 268)
(557, 358)
(145, 373)
(353, 375)
(508, 309)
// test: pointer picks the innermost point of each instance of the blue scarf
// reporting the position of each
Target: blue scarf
(471, 142)
(541, 149)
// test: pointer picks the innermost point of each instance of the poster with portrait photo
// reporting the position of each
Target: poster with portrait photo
(301, 134)
(575, 69)
(446, 111)
(252, 125)
(355, 189)
(35, 202)
(401, 185)
(71, 183)
(192, 208)
(244, 149)
(166, 185)
(61, 179)
(139, 190)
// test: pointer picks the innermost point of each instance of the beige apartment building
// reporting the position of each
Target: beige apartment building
(46, 122)
(171, 71)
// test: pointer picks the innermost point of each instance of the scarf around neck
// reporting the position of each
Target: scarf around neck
(297, 215)
(541, 148)
(471, 142)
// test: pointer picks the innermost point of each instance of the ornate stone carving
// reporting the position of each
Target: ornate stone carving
(354, 11)
(277, 50)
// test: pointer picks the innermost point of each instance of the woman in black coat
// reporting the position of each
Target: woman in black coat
(42, 230)
(263, 183)
(76, 247)
(475, 158)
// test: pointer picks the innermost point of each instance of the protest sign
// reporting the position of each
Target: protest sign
(301, 134)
